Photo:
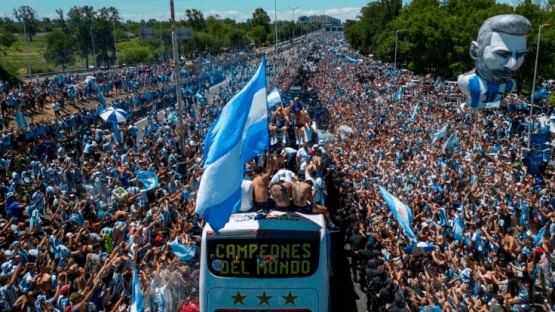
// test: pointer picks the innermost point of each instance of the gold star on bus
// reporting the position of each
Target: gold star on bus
(238, 298)
(289, 298)
(264, 298)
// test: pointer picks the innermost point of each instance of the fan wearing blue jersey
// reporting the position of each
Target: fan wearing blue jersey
(499, 51)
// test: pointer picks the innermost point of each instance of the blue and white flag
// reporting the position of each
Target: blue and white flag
(419, 248)
(273, 98)
(441, 133)
(352, 60)
(338, 91)
(413, 112)
(552, 124)
(399, 94)
(540, 93)
(539, 237)
(238, 135)
(20, 120)
(149, 179)
(458, 228)
(183, 252)
(401, 213)
(116, 132)
(451, 142)
(137, 297)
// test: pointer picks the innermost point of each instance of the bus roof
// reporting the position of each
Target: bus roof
(275, 220)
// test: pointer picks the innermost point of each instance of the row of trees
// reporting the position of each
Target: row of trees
(434, 37)
(92, 35)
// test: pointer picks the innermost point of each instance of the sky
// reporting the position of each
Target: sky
(239, 10)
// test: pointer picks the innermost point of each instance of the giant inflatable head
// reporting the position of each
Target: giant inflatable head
(498, 51)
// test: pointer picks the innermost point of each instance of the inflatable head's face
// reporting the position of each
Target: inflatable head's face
(498, 51)
(502, 57)
(500, 47)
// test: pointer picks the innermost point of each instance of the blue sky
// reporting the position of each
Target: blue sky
(239, 10)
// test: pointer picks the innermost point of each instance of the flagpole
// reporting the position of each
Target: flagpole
(177, 82)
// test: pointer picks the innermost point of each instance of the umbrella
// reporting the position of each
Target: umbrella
(89, 78)
(345, 128)
(419, 248)
(116, 115)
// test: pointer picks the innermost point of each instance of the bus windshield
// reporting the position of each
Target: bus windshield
(264, 254)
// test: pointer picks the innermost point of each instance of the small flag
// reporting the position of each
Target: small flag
(399, 94)
(273, 98)
(20, 120)
(539, 237)
(401, 213)
(458, 228)
(183, 252)
(137, 297)
(441, 133)
(540, 93)
(149, 179)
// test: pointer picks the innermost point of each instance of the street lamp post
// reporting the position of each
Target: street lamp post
(293, 11)
(115, 42)
(534, 84)
(396, 39)
(27, 48)
(275, 24)
(177, 81)
(93, 46)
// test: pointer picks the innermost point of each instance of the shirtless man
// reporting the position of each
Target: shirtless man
(302, 124)
(281, 193)
(261, 189)
(301, 195)
(278, 123)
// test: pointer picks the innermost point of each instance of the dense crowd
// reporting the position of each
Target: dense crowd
(388, 132)
(70, 242)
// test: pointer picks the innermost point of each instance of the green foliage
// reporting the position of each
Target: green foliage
(60, 50)
(134, 52)
(435, 38)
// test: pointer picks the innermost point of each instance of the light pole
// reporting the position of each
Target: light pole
(115, 42)
(293, 11)
(275, 24)
(93, 46)
(3, 54)
(534, 84)
(177, 82)
(27, 48)
(395, 62)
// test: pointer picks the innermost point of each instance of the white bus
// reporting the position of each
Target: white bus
(279, 263)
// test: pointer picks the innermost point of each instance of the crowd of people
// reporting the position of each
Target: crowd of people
(71, 243)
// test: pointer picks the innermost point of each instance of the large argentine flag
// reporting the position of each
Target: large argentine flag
(238, 135)
(273, 98)
(401, 212)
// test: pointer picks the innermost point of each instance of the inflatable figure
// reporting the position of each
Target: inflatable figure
(498, 51)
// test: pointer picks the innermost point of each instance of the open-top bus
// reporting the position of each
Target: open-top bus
(277, 263)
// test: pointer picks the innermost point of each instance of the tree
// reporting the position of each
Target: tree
(133, 52)
(80, 22)
(105, 34)
(261, 18)
(28, 16)
(59, 49)
(60, 22)
(195, 19)
(7, 39)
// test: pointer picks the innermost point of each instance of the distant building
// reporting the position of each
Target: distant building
(321, 19)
